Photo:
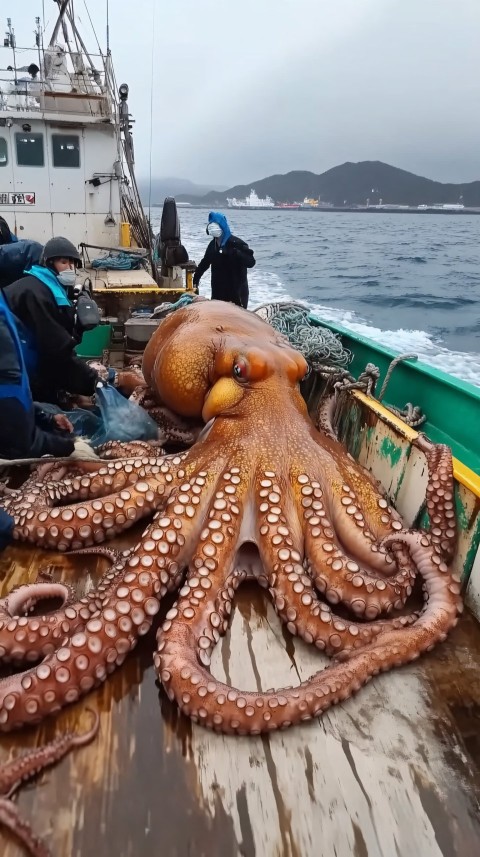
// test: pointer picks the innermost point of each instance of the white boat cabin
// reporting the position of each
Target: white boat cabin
(64, 140)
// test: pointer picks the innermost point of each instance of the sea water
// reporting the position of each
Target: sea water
(410, 282)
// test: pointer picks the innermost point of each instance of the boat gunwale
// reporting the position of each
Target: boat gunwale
(461, 472)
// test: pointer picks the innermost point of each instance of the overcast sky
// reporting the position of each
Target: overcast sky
(246, 88)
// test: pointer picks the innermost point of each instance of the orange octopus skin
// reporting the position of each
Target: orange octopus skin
(262, 494)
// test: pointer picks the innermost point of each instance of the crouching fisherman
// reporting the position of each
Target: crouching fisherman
(25, 430)
(50, 325)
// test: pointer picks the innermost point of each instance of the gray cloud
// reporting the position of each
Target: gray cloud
(246, 88)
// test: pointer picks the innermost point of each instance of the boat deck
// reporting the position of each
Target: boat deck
(394, 772)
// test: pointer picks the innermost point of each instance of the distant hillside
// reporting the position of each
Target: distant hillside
(350, 184)
(170, 186)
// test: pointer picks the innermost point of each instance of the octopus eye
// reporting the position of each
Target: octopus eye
(307, 373)
(240, 370)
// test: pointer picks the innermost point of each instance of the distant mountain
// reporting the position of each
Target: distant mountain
(350, 184)
(171, 186)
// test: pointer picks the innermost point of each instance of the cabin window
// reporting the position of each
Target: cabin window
(29, 150)
(3, 152)
(66, 150)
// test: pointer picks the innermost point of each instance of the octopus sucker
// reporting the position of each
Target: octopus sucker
(262, 494)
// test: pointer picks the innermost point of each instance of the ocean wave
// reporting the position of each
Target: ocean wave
(416, 301)
(268, 287)
(460, 364)
(417, 260)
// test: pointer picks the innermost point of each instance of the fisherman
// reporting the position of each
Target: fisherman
(15, 255)
(229, 258)
(25, 430)
(49, 327)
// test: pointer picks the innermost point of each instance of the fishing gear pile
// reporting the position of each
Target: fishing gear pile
(319, 345)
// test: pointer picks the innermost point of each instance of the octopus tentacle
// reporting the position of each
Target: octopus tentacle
(21, 600)
(173, 428)
(360, 518)
(25, 639)
(11, 819)
(440, 500)
(335, 574)
(16, 772)
(114, 449)
(201, 612)
(226, 709)
(124, 492)
(294, 597)
(84, 660)
(325, 414)
(75, 526)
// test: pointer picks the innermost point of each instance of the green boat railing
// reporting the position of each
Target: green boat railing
(452, 406)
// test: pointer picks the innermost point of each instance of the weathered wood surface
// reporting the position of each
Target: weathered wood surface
(394, 772)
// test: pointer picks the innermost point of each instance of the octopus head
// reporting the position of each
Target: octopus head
(205, 360)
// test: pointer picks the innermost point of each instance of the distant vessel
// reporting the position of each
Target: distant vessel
(290, 205)
(309, 202)
(446, 206)
(251, 201)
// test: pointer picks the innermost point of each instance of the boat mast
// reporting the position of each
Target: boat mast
(62, 5)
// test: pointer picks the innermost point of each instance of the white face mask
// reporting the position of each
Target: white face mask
(215, 230)
(67, 278)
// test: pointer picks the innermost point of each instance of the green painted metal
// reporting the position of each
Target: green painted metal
(390, 450)
(355, 433)
(95, 341)
(452, 406)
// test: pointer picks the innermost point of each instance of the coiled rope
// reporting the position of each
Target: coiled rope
(318, 345)
(324, 351)
(117, 262)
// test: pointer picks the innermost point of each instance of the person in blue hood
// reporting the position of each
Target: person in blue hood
(43, 305)
(229, 258)
(15, 255)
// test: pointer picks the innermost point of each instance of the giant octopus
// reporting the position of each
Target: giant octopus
(261, 495)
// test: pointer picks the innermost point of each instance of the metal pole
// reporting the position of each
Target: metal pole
(62, 5)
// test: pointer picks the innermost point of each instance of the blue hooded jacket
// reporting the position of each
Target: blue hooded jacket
(217, 217)
(15, 257)
(25, 430)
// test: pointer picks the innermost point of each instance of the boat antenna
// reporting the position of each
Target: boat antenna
(108, 30)
(151, 117)
(10, 43)
(39, 43)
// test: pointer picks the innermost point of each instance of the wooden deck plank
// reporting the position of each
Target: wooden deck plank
(394, 772)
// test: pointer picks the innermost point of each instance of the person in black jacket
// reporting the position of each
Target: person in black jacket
(26, 431)
(42, 303)
(229, 258)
